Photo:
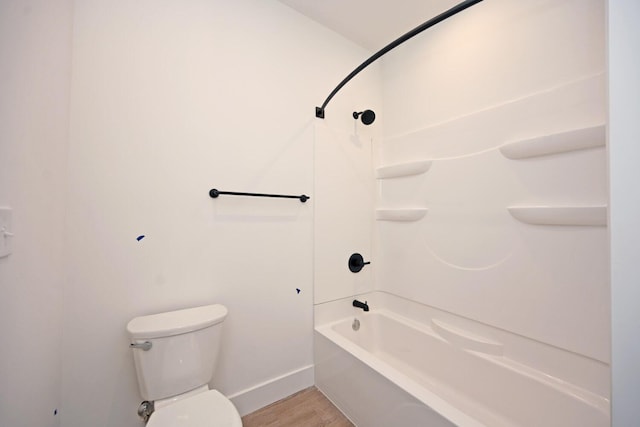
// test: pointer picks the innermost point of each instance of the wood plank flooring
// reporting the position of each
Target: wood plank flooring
(307, 408)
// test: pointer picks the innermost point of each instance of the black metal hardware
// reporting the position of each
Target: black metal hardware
(430, 23)
(362, 305)
(213, 193)
(367, 116)
(356, 262)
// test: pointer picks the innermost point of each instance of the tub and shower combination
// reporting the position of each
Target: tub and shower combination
(384, 369)
(514, 183)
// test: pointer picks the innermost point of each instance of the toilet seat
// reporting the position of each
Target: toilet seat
(207, 409)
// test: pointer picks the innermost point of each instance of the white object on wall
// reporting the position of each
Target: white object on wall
(403, 169)
(560, 215)
(573, 140)
(5, 232)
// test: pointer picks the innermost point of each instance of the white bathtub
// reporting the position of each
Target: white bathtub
(397, 372)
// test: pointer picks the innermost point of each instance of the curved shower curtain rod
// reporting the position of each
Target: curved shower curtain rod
(430, 23)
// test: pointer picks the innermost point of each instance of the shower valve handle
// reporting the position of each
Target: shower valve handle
(356, 262)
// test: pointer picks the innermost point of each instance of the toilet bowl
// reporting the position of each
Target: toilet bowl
(175, 355)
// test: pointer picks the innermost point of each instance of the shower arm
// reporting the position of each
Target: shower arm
(430, 23)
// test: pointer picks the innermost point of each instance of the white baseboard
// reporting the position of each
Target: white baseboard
(263, 394)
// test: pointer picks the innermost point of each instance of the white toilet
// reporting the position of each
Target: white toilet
(175, 355)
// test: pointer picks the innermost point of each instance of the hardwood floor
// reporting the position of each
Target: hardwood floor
(307, 408)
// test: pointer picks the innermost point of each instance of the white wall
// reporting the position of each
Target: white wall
(344, 155)
(492, 52)
(169, 100)
(499, 72)
(35, 58)
(151, 101)
(624, 150)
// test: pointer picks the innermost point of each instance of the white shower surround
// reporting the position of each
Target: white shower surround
(499, 229)
(509, 245)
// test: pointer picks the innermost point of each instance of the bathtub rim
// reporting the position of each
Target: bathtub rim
(431, 399)
(583, 371)
(401, 380)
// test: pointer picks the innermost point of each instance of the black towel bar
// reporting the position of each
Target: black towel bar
(213, 193)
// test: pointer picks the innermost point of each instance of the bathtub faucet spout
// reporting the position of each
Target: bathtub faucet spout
(362, 305)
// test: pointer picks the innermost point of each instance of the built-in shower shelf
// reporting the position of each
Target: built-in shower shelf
(560, 215)
(408, 214)
(573, 140)
(403, 169)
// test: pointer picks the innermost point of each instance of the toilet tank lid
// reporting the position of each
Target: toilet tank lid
(176, 322)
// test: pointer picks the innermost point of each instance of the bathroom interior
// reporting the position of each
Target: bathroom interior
(492, 199)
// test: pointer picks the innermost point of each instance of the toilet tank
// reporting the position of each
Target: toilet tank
(184, 349)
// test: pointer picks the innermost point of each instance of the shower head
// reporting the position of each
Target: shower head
(367, 118)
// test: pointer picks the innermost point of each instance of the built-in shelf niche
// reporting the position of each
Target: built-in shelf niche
(406, 214)
(403, 169)
(573, 140)
(560, 215)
